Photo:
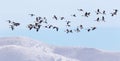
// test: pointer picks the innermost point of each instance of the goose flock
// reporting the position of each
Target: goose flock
(39, 21)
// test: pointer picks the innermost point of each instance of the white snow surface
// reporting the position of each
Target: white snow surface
(26, 49)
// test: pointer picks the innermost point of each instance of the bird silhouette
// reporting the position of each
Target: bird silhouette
(50, 26)
(74, 15)
(46, 26)
(98, 19)
(9, 21)
(62, 18)
(36, 24)
(114, 13)
(80, 9)
(55, 17)
(16, 24)
(12, 27)
(93, 28)
(30, 26)
(77, 29)
(45, 18)
(40, 21)
(37, 19)
(37, 27)
(55, 28)
(98, 11)
(32, 15)
(116, 10)
(45, 22)
(88, 30)
(68, 23)
(104, 12)
(86, 14)
(103, 18)
(68, 31)
(81, 26)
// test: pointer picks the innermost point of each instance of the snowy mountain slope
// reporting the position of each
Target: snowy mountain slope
(21, 41)
(87, 54)
(18, 53)
(25, 49)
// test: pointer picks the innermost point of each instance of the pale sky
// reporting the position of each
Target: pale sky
(106, 36)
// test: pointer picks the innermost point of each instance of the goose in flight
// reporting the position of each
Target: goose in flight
(116, 10)
(37, 27)
(16, 24)
(86, 14)
(88, 30)
(103, 18)
(74, 15)
(77, 29)
(68, 31)
(50, 26)
(30, 26)
(68, 23)
(9, 21)
(114, 13)
(98, 11)
(93, 28)
(55, 17)
(80, 9)
(81, 26)
(32, 15)
(56, 28)
(62, 18)
(12, 27)
(104, 12)
(98, 19)
(45, 18)
(37, 19)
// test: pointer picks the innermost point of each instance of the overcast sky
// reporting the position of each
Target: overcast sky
(106, 36)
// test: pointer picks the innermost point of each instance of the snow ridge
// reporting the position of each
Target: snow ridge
(26, 49)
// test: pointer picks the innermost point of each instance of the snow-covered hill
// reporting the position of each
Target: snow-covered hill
(25, 49)
(87, 54)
